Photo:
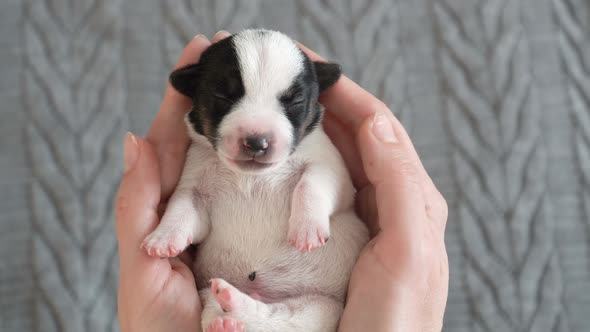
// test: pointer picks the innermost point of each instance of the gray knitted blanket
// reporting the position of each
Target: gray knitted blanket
(495, 94)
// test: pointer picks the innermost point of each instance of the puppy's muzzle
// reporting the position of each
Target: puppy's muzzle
(256, 145)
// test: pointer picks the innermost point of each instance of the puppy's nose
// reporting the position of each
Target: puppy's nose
(255, 145)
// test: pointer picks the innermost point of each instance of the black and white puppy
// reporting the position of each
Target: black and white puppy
(262, 188)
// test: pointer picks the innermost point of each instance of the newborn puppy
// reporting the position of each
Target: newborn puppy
(262, 191)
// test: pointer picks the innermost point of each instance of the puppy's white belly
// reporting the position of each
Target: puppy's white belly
(248, 240)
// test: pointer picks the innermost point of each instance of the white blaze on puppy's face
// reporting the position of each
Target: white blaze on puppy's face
(269, 64)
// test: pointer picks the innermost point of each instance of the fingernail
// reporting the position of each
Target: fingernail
(220, 32)
(382, 128)
(199, 36)
(130, 152)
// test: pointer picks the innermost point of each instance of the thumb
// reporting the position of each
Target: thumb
(137, 201)
(385, 152)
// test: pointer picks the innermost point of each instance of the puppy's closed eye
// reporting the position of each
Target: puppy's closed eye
(293, 97)
(227, 91)
(222, 97)
(293, 100)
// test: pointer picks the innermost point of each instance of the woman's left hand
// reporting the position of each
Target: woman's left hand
(156, 294)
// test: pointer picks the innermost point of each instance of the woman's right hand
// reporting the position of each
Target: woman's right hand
(400, 281)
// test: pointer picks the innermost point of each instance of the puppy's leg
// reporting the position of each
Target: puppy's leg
(309, 223)
(223, 302)
(323, 189)
(183, 223)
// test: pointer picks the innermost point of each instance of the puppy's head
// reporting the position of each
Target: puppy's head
(255, 97)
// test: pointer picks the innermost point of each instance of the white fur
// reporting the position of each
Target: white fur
(245, 222)
(268, 63)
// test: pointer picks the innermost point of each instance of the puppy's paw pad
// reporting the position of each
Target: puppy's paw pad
(308, 236)
(165, 243)
(225, 324)
(225, 294)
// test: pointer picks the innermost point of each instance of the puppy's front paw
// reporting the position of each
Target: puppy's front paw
(166, 242)
(307, 234)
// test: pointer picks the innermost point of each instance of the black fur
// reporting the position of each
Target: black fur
(184, 79)
(300, 100)
(327, 74)
(214, 84)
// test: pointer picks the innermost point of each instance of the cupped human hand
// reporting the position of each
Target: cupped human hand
(156, 294)
(400, 281)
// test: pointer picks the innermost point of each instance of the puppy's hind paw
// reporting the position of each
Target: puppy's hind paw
(228, 297)
(225, 324)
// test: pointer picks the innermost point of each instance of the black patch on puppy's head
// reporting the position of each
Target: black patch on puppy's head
(300, 101)
(214, 84)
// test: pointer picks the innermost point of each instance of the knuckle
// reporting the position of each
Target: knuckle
(120, 213)
(121, 204)
(406, 256)
(441, 206)
(417, 259)
(409, 169)
(444, 207)
(376, 105)
(404, 166)
(415, 254)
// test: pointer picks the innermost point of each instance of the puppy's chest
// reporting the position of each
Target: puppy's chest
(247, 243)
(236, 200)
(252, 208)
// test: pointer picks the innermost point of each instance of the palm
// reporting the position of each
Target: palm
(175, 296)
(154, 294)
(171, 285)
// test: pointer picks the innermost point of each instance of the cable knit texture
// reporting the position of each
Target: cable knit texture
(495, 95)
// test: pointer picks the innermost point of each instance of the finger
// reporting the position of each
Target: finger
(348, 101)
(437, 210)
(352, 104)
(369, 108)
(366, 208)
(389, 168)
(220, 35)
(168, 134)
(343, 139)
(136, 203)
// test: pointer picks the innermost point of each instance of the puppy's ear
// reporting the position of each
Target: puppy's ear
(185, 79)
(327, 73)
